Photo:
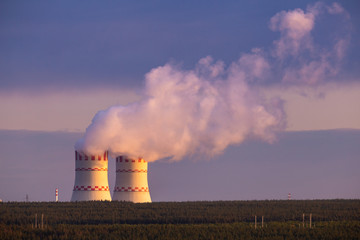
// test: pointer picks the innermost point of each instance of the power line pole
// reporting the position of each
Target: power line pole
(303, 220)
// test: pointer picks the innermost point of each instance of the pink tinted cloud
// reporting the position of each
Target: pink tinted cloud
(304, 61)
(336, 8)
(188, 112)
(309, 72)
(295, 27)
(206, 109)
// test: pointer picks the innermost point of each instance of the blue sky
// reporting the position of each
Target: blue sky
(66, 44)
(63, 61)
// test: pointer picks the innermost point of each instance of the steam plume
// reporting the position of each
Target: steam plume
(198, 111)
(303, 61)
(204, 110)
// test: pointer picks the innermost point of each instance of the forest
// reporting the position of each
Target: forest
(268, 219)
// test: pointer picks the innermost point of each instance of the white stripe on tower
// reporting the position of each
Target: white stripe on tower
(131, 180)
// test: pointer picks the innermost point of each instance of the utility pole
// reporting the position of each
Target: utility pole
(35, 220)
(310, 219)
(255, 221)
(42, 221)
(303, 220)
(262, 221)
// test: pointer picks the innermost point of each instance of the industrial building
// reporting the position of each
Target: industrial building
(91, 178)
(131, 180)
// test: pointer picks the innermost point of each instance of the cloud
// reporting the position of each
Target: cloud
(206, 109)
(302, 59)
(295, 27)
(187, 112)
(336, 8)
(309, 72)
(253, 65)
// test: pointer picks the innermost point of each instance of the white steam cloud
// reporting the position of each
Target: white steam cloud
(204, 110)
(199, 111)
(302, 60)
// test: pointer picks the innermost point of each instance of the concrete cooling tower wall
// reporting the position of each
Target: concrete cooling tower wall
(131, 180)
(91, 178)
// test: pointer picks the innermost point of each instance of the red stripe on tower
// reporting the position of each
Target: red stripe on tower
(91, 188)
(91, 169)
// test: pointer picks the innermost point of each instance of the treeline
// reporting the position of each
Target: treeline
(341, 230)
(331, 219)
(80, 213)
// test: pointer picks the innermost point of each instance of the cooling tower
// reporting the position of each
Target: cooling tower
(91, 178)
(131, 180)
